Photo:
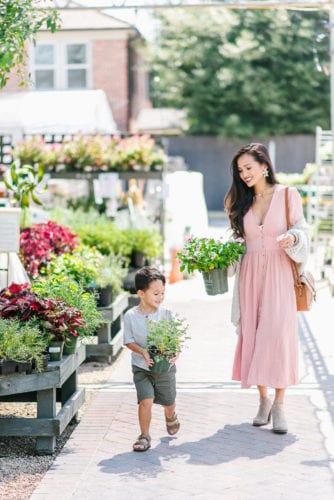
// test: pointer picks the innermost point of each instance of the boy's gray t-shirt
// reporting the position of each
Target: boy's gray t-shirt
(135, 330)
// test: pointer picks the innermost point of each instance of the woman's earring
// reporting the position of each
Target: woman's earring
(265, 172)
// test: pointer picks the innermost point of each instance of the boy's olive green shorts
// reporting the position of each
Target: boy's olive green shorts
(161, 387)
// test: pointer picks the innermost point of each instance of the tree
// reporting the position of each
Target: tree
(244, 73)
(19, 22)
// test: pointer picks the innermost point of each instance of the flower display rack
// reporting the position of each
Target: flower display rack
(57, 383)
(109, 334)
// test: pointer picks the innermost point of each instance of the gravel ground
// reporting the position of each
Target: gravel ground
(21, 468)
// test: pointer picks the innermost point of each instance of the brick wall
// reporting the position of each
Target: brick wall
(14, 81)
(110, 73)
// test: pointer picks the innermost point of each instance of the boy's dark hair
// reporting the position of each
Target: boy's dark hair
(145, 276)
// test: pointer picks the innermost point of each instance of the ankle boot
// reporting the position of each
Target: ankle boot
(280, 425)
(264, 413)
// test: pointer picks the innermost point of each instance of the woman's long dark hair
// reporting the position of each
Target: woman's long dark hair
(240, 197)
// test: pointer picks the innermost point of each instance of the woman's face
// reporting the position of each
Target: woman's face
(250, 171)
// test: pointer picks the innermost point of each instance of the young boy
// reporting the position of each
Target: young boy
(151, 387)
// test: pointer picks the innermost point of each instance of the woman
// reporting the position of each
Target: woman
(264, 304)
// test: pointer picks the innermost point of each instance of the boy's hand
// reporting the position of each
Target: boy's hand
(173, 360)
(147, 358)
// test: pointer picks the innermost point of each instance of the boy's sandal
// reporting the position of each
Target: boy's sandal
(143, 443)
(172, 424)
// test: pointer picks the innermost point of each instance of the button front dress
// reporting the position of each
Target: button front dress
(267, 348)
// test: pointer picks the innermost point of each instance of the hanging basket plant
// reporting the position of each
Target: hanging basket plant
(211, 257)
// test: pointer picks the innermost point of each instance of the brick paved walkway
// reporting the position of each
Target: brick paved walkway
(217, 454)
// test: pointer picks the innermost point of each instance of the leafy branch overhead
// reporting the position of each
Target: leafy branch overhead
(20, 20)
(244, 73)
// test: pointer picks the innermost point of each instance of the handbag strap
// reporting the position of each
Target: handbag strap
(296, 276)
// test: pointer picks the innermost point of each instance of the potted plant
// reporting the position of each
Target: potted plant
(166, 338)
(146, 244)
(23, 182)
(109, 281)
(22, 346)
(82, 266)
(56, 318)
(211, 257)
(39, 244)
(81, 318)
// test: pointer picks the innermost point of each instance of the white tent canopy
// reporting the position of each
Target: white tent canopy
(55, 112)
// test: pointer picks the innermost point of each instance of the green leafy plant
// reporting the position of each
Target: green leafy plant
(111, 272)
(20, 21)
(82, 266)
(167, 336)
(21, 342)
(106, 238)
(54, 318)
(205, 254)
(75, 296)
(23, 183)
(148, 241)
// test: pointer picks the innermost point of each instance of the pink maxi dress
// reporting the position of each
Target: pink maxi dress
(267, 348)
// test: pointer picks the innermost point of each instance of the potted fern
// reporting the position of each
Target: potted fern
(165, 340)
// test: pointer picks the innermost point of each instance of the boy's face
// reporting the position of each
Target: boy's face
(154, 295)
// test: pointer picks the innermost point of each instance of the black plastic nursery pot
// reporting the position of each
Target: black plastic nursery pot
(105, 296)
(138, 259)
(24, 367)
(161, 362)
(8, 367)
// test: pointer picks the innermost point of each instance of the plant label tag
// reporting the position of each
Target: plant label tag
(54, 349)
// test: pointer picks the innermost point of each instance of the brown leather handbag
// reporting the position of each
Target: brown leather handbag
(304, 283)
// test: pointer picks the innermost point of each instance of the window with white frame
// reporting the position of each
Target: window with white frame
(44, 60)
(64, 66)
(76, 66)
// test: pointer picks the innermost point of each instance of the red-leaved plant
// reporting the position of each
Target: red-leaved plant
(53, 317)
(39, 243)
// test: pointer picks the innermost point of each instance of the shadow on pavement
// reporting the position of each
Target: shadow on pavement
(322, 375)
(227, 444)
(318, 463)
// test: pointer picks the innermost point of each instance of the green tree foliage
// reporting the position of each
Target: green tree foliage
(19, 22)
(244, 73)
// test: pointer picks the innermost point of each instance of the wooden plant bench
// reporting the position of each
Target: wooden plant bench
(109, 334)
(58, 382)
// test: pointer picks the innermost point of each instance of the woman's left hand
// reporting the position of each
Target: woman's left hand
(286, 240)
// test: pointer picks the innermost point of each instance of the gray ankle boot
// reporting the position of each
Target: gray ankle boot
(280, 425)
(264, 412)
